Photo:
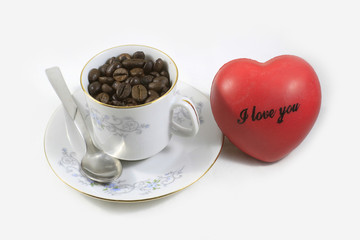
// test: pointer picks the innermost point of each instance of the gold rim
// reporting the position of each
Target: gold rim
(136, 106)
(128, 201)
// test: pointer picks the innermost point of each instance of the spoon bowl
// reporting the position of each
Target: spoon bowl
(100, 167)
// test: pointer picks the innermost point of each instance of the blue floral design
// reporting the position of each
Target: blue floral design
(71, 165)
(117, 126)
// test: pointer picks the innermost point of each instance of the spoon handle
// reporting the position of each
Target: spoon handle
(58, 83)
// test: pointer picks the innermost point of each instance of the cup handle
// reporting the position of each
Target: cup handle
(189, 107)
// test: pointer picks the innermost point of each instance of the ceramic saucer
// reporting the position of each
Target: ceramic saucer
(183, 162)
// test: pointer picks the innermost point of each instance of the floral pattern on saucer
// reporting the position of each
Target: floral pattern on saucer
(71, 165)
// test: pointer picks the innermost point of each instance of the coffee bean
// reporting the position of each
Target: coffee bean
(114, 97)
(93, 75)
(118, 65)
(120, 74)
(110, 69)
(117, 103)
(164, 80)
(124, 56)
(94, 88)
(150, 99)
(156, 86)
(116, 85)
(103, 68)
(103, 97)
(133, 63)
(107, 88)
(107, 80)
(130, 102)
(139, 93)
(152, 96)
(134, 81)
(164, 73)
(111, 60)
(164, 90)
(159, 64)
(137, 72)
(139, 55)
(155, 74)
(148, 66)
(123, 91)
(153, 93)
(145, 80)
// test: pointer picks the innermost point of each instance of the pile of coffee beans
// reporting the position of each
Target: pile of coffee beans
(128, 80)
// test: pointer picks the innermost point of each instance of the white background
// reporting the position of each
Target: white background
(311, 194)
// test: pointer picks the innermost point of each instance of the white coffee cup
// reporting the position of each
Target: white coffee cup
(137, 132)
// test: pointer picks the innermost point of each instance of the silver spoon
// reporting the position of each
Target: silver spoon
(96, 165)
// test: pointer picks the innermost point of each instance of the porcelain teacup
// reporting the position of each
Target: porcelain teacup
(140, 131)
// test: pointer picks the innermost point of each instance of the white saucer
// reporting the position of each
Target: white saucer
(183, 162)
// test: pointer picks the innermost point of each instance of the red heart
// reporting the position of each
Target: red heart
(266, 109)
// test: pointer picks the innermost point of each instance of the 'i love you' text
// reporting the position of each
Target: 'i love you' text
(257, 115)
